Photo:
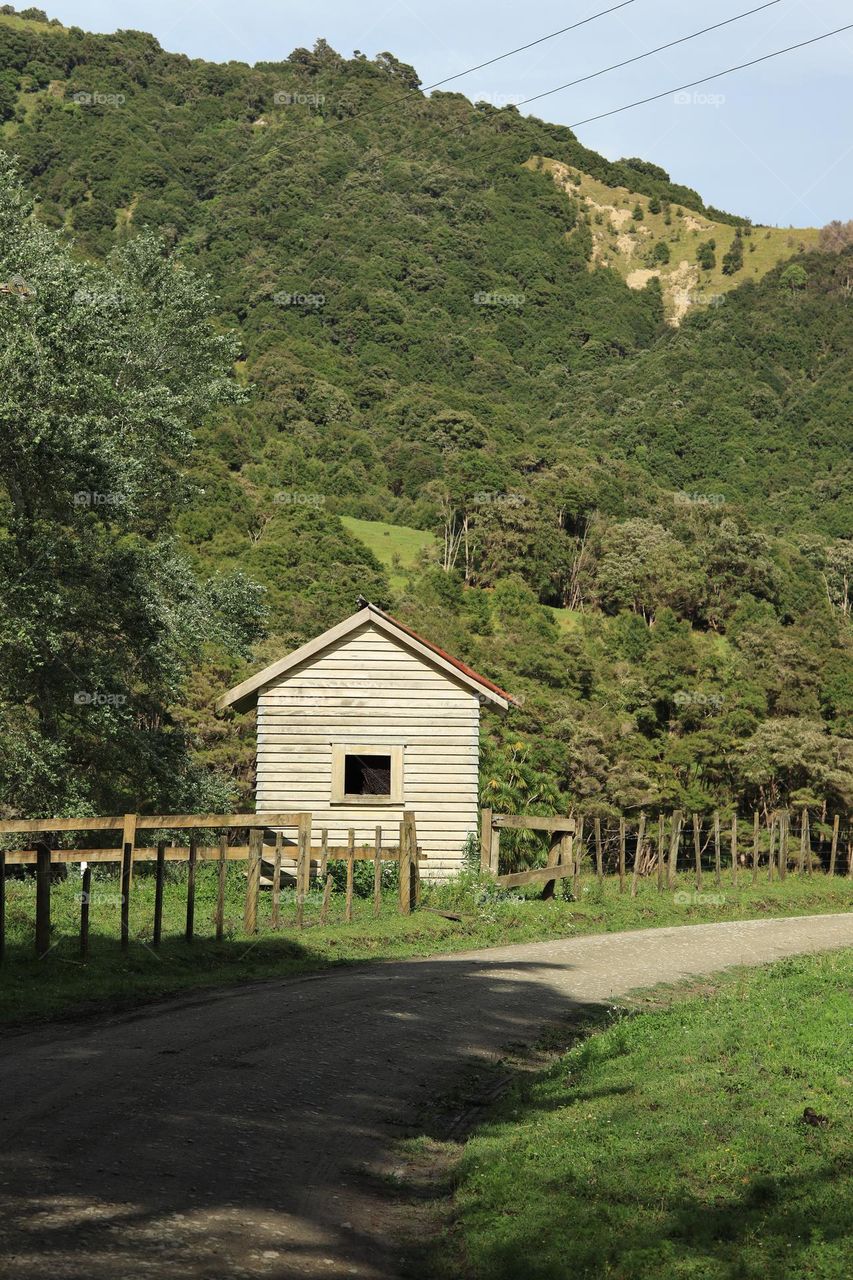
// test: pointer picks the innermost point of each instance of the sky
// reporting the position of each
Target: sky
(773, 142)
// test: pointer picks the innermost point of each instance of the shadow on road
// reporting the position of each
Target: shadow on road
(231, 1134)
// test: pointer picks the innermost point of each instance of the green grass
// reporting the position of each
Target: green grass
(58, 984)
(567, 619)
(672, 1144)
(27, 24)
(397, 547)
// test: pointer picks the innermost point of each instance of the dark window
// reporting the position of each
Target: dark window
(367, 775)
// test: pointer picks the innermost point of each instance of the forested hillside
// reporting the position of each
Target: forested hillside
(643, 531)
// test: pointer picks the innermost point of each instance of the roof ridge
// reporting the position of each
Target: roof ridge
(442, 653)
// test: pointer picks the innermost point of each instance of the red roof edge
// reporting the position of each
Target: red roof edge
(448, 657)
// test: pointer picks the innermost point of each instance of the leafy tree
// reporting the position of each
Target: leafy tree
(793, 755)
(643, 568)
(794, 277)
(104, 371)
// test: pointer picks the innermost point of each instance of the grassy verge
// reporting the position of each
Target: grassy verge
(673, 1144)
(59, 984)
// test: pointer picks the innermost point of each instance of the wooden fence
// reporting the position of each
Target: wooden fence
(560, 862)
(255, 854)
(775, 845)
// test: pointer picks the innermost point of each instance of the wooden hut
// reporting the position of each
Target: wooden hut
(367, 720)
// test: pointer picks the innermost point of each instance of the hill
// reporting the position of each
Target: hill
(643, 529)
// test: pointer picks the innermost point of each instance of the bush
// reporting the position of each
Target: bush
(733, 259)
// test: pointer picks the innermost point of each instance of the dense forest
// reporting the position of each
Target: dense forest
(239, 303)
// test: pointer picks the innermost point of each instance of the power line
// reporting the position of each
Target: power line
(716, 76)
(639, 57)
(583, 22)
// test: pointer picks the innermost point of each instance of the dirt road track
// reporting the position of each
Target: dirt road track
(221, 1136)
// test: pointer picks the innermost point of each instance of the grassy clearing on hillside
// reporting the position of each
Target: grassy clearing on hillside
(567, 619)
(673, 1143)
(28, 24)
(395, 546)
(624, 243)
(60, 983)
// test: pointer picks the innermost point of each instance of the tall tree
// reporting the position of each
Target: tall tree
(104, 372)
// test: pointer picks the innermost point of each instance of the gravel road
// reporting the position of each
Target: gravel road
(227, 1134)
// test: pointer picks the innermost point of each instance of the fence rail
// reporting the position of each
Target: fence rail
(777, 844)
(407, 854)
(561, 861)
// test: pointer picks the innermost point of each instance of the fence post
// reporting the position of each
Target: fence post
(554, 857)
(572, 847)
(126, 877)
(784, 819)
(303, 867)
(485, 839)
(275, 914)
(834, 850)
(717, 868)
(416, 870)
(495, 850)
(621, 855)
(220, 885)
(805, 862)
(405, 877)
(734, 850)
(42, 898)
(756, 827)
(191, 866)
(159, 876)
(599, 860)
(412, 850)
(674, 841)
(350, 873)
(305, 850)
(638, 853)
(377, 872)
(128, 836)
(253, 880)
(324, 854)
(85, 895)
(771, 852)
(697, 851)
(661, 849)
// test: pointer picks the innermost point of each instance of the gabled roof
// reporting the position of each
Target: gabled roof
(245, 695)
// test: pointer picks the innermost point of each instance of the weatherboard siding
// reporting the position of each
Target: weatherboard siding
(367, 689)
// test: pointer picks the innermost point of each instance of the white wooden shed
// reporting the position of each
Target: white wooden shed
(367, 720)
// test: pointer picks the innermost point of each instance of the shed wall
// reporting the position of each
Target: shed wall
(370, 690)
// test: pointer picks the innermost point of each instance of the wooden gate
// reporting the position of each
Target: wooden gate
(561, 861)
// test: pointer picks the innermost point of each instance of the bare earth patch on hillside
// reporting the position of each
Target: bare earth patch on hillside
(684, 283)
